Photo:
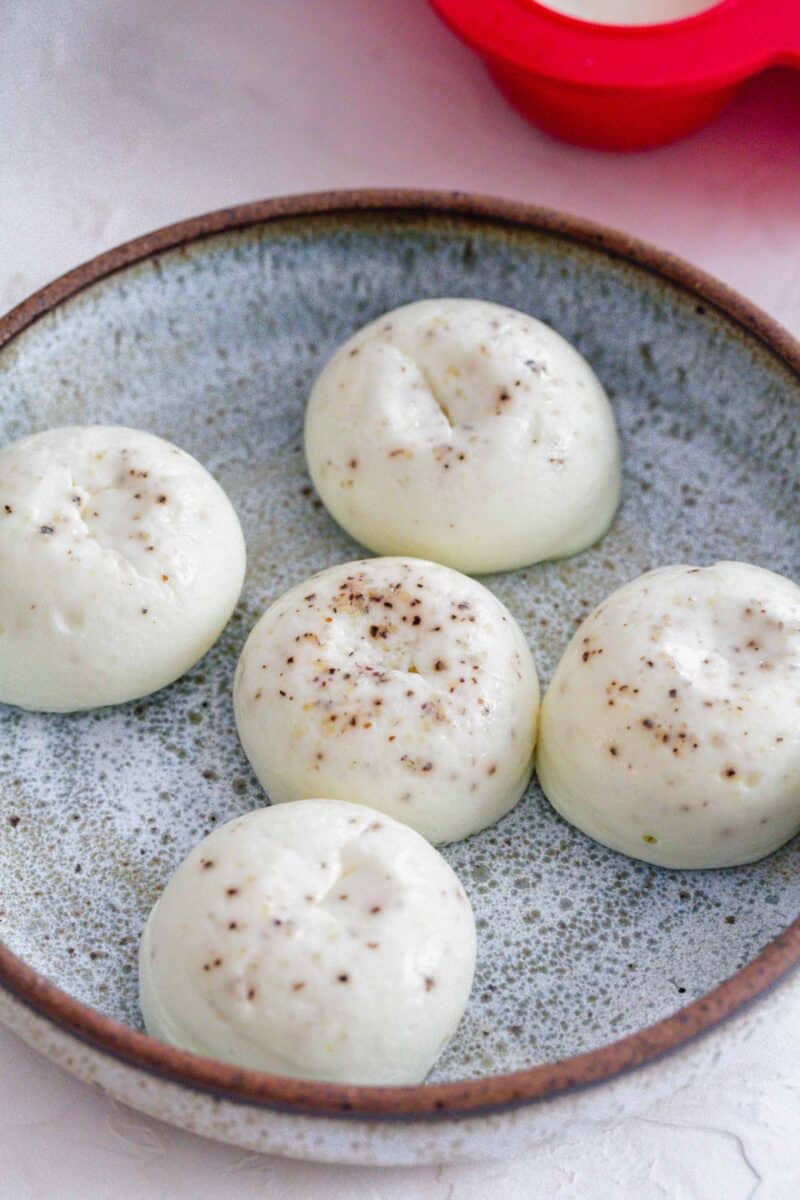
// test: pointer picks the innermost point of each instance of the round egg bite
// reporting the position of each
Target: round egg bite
(320, 939)
(395, 683)
(121, 561)
(467, 433)
(671, 728)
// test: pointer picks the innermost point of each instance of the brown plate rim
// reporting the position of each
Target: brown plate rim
(425, 1101)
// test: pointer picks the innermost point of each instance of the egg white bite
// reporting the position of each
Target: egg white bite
(464, 432)
(630, 12)
(671, 728)
(395, 683)
(320, 939)
(121, 560)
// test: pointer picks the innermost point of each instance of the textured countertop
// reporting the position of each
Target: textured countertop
(117, 117)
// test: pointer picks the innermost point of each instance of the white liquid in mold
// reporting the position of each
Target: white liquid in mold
(630, 12)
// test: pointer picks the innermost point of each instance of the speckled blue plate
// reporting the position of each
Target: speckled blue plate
(210, 334)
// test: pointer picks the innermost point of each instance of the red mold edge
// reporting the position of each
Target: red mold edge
(623, 87)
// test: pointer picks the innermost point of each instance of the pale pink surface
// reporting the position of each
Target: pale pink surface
(118, 118)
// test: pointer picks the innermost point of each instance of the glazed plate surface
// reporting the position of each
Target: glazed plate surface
(214, 345)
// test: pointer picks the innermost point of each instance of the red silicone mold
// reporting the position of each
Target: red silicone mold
(623, 87)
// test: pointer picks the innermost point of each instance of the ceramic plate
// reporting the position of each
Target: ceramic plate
(210, 334)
